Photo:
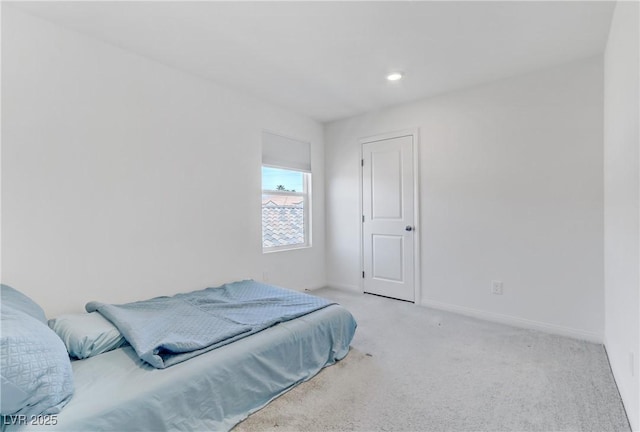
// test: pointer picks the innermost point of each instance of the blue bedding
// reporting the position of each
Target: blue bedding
(168, 330)
(116, 391)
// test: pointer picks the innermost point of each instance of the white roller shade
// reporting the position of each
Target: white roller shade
(282, 152)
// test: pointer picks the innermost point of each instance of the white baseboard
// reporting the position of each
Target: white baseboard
(517, 322)
(315, 287)
(353, 288)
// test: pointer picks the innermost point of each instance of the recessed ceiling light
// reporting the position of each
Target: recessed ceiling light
(394, 76)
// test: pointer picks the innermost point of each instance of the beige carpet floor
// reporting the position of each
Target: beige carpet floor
(412, 368)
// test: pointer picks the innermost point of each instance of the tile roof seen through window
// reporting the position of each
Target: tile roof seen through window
(282, 220)
(282, 200)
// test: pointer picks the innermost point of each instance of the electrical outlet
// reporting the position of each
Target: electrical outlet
(265, 276)
(496, 287)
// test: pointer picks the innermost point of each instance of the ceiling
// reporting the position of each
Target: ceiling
(328, 60)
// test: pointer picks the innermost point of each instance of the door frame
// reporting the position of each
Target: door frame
(414, 133)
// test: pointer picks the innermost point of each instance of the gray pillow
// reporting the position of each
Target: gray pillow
(35, 370)
(15, 299)
(87, 334)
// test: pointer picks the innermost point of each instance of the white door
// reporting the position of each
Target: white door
(388, 213)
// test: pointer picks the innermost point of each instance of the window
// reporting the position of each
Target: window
(286, 198)
(285, 208)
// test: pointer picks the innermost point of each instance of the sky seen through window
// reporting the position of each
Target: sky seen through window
(274, 177)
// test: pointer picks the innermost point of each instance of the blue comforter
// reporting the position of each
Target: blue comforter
(168, 330)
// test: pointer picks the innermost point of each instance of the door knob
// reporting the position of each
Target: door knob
(408, 228)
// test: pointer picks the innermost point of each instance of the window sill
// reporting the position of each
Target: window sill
(285, 249)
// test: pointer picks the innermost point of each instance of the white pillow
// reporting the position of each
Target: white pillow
(88, 334)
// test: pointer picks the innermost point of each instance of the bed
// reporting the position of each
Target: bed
(215, 390)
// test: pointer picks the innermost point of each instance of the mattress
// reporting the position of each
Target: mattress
(213, 391)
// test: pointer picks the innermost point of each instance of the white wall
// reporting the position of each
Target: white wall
(511, 185)
(622, 204)
(124, 179)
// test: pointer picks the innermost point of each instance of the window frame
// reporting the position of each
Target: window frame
(306, 215)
